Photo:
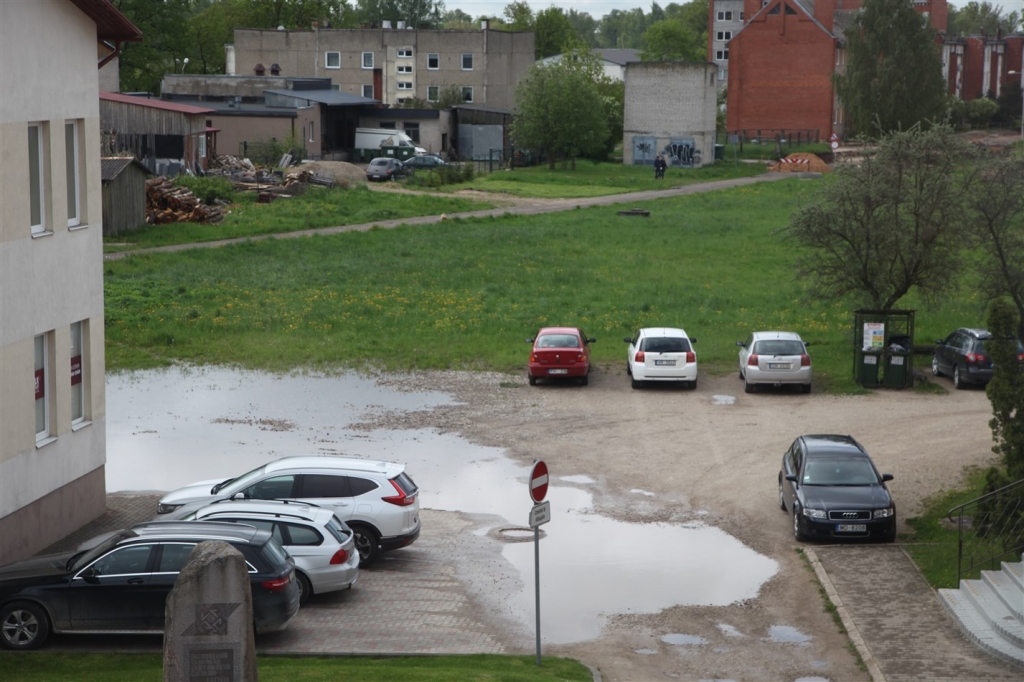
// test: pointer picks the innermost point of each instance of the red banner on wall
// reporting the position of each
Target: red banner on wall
(76, 370)
(40, 384)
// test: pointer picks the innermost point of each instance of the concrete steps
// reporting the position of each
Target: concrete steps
(990, 611)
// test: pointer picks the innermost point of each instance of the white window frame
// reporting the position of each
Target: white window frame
(79, 375)
(725, 16)
(463, 91)
(43, 388)
(741, 15)
(464, 55)
(436, 58)
(404, 68)
(327, 60)
(201, 146)
(404, 53)
(437, 93)
(37, 177)
(368, 96)
(405, 85)
(72, 153)
(367, 64)
(312, 131)
(724, 35)
(722, 55)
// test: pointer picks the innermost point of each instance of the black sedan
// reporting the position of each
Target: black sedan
(832, 490)
(424, 162)
(119, 582)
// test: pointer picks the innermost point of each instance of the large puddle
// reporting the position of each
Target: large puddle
(169, 428)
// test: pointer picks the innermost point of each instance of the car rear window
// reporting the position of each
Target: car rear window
(274, 554)
(778, 347)
(660, 344)
(406, 483)
(338, 529)
(360, 486)
(558, 341)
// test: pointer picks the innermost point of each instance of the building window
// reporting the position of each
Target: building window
(467, 62)
(367, 60)
(402, 100)
(724, 35)
(36, 168)
(202, 145)
(74, 188)
(368, 91)
(467, 93)
(43, 385)
(412, 129)
(77, 373)
(404, 85)
(312, 131)
(741, 16)
(433, 61)
(433, 93)
(722, 55)
(405, 52)
(725, 16)
(403, 68)
(332, 60)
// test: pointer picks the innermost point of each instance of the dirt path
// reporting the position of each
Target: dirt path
(712, 455)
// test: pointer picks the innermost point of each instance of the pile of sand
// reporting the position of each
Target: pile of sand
(345, 174)
(810, 163)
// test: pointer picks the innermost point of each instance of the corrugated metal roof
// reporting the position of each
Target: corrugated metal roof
(111, 166)
(619, 56)
(153, 103)
(328, 97)
(110, 23)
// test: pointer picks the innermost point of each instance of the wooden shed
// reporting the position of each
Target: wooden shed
(167, 137)
(124, 194)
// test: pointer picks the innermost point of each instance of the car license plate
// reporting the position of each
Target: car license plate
(851, 528)
(664, 362)
(778, 365)
(558, 371)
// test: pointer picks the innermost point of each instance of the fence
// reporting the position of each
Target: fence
(991, 528)
(778, 136)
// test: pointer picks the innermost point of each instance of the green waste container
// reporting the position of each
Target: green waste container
(867, 374)
(719, 152)
(898, 370)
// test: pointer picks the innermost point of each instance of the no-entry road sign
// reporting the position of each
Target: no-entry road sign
(538, 481)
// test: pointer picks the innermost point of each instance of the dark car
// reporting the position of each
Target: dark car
(424, 162)
(119, 582)
(832, 490)
(384, 168)
(962, 355)
(559, 353)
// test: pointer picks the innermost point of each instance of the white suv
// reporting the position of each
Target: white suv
(378, 500)
(661, 354)
(323, 546)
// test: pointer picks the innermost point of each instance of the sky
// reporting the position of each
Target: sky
(598, 8)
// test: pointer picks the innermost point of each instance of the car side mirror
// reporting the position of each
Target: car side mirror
(591, 340)
(90, 575)
(628, 340)
(940, 342)
(886, 477)
(738, 343)
(791, 477)
(693, 340)
(529, 340)
(238, 496)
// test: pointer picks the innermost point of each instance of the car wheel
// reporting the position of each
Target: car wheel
(693, 385)
(367, 543)
(636, 384)
(532, 379)
(585, 379)
(23, 625)
(798, 534)
(806, 388)
(935, 366)
(747, 386)
(305, 588)
(782, 498)
(629, 369)
(958, 381)
(742, 378)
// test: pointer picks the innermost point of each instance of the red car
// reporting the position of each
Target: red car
(560, 352)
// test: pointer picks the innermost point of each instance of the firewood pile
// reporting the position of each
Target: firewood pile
(166, 203)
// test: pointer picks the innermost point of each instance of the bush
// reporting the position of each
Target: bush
(451, 174)
(207, 189)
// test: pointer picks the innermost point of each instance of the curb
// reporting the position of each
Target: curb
(844, 615)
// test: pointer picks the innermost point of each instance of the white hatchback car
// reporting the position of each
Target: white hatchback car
(774, 358)
(661, 354)
(322, 545)
(378, 500)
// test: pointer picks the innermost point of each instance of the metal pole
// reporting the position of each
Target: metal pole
(536, 581)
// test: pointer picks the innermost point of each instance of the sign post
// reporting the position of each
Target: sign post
(539, 514)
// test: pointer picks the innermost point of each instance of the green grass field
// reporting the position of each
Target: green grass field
(464, 294)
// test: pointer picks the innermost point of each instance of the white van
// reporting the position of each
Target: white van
(375, 138)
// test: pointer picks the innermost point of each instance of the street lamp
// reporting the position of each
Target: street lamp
(184, 63)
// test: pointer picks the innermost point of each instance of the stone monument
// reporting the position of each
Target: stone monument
(208, 627)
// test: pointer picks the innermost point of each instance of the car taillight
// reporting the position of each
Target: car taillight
(639, 357)
(752, 360)
(277, 584)
(1020, 358)
(340, 557)
(805, 360)
(580, 357)
(975, 357)
(401, 499)
(691, 356)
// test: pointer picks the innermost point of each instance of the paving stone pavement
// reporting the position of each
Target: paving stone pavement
(898, 614)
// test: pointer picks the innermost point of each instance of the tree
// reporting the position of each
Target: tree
(996, 217)
(980, 17)
(552, 31)
(671, 40)
(165, 42)
(890, 224)
(413, 12)
(893, 76)
(559, 112)
(1006, 389)
(585, 27)
(622, 29)
(981, 110)
(456, 18)
(518, 16)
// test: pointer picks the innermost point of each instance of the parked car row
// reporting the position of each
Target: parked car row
(304, 525)
(387, 168)
(962, 356)
(666, 354)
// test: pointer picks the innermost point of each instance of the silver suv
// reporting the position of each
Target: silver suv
(378, 500)
(322, 545)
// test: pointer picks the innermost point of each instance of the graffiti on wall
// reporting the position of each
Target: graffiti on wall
(680, 152)
(645, 149)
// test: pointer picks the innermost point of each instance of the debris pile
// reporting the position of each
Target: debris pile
(801, 162)
(167, 203)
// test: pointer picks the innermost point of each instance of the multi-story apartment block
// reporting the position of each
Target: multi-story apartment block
(725, 19)
(392, 65)
(52, 410)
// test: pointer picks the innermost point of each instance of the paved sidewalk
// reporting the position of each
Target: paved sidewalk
(542, 206)
(899, 617)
